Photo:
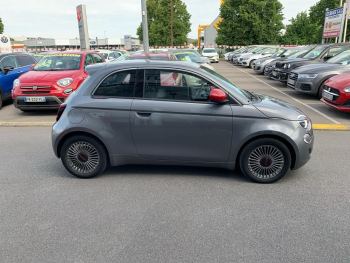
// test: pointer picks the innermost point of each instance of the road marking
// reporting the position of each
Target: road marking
(25, 124)
(289, 96)
(330, 127)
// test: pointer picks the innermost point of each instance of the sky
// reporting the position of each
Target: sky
(106, 18)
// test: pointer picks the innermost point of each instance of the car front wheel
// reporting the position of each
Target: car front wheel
(83, 156)
(265, 160)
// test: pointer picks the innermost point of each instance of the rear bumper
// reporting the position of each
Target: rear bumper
(51, 102)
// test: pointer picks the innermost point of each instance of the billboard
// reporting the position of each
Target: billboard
(5, 44)
(333, 23)
(83, 27)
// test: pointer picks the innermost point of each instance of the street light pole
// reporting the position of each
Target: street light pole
(145, 26)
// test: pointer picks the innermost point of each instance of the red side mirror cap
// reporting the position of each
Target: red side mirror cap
(218, 96)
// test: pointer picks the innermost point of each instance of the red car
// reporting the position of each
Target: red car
(336, 92)
(52, 79)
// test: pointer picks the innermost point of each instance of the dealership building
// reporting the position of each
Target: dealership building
(38, 44)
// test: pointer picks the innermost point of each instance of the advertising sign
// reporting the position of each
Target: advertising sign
(83, 27)
(333, 23)
(5, 44)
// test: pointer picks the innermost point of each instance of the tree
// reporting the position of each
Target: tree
(301, 31)
(250, 22)
(168, 23)
(1, 26)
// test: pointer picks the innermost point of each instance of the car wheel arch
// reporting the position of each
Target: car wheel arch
(323, 80)
(80, 133)
(276, 136)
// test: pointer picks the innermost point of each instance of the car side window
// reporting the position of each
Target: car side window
(119, 84)
(97, 58)
(9, 61)
(24, 60)
(89, 60)
(175, 85)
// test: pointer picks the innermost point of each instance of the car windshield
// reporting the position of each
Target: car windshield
(209, 50)
(342, 58)
(58, 62)
(314, 53)
(188, 57)
(229, 84)
(297, 53)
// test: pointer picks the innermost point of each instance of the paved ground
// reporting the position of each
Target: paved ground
(170, 214)
(245, 78)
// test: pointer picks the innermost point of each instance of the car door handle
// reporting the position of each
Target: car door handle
(144, 114)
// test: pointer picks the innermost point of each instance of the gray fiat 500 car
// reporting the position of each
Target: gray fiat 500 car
(177, 113)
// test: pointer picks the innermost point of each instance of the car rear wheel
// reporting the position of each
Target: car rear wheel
(265, 160)
(84, 157)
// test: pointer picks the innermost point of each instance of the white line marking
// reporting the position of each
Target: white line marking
(289, 96)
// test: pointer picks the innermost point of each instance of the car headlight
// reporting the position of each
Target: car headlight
(16, 83)
(64, 82)
(307, 76)
(305, 122)
(347, 90)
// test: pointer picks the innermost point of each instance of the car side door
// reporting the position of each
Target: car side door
(9, 72)
(175, 120)
(109, 109)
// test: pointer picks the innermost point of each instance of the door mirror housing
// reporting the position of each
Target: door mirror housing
(327, 57)
(218, 96)
(6, 69)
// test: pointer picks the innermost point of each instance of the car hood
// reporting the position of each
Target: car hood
(47, 76)
(340, 81)
(275, 108)
(294, 60)
(318, 68)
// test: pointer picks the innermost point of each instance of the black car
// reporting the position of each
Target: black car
(318, 54)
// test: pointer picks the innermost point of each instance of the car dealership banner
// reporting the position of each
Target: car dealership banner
(5, 44)
(333, 24)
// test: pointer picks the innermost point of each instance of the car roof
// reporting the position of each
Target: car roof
(142, 63)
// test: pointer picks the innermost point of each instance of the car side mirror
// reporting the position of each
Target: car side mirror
(326, 58)
(6, 69)
(218, 96)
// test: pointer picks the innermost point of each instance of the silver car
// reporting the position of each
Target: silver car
(177, 113)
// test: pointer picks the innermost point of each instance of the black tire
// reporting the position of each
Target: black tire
(265, 160)
(251, 64)
(320, 90)
(1, 99)
(84, 157)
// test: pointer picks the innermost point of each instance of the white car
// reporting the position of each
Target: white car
(211, 54)
(110, 55)
(248, 60)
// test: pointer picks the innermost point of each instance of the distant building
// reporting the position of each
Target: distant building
(40, 44)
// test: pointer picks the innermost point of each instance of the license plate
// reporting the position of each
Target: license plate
(274, 73)
(291, 82)
(35, 99)
(327, 96)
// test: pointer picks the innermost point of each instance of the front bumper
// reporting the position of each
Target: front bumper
(51, 102)
(343, 108)
(280, 75)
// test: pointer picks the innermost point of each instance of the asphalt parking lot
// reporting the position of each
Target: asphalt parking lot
(173, 214)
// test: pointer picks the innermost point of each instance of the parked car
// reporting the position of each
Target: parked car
(260, 64)
(249, 51)
(336, 92)
(153, 55)
(228, 55)
(319, 54)
(170, 112)
(12, 65)
(52, 80)
(248, 60)
(310, 78)
(269, 68)
(211, 53)
(191, 57)
(110, 55)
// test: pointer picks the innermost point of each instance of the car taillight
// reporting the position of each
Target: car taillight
(60, 111)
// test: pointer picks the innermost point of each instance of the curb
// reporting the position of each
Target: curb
(25, 124)
(316, 126)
